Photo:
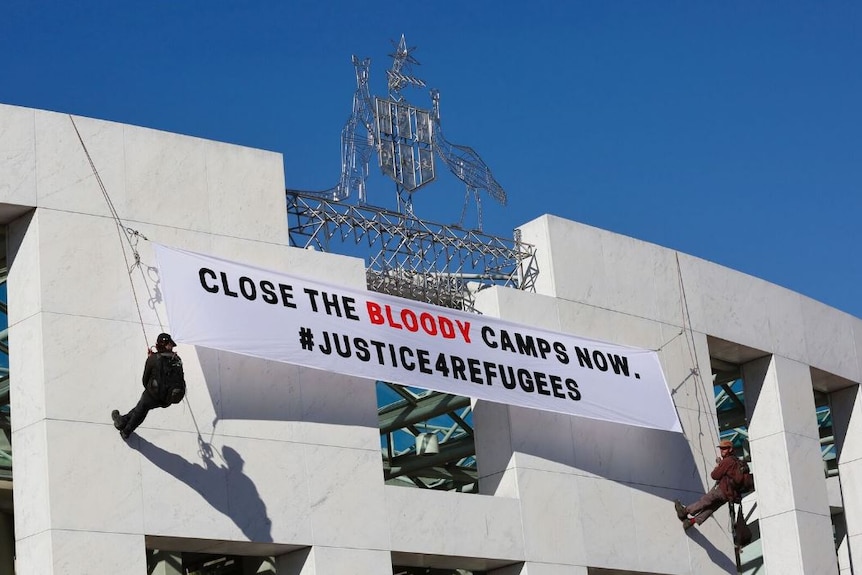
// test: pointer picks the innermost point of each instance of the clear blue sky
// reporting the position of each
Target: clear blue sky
(730, 130)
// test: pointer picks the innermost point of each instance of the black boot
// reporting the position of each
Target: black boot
(118, 421)
(680, 510)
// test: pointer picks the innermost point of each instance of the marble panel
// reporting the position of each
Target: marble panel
(82, 267)
(519, 307)
(33, 553)
(542, 440)
(692, 453)
(487, 302)
(324, 267)
(420, 522)
(855, 544)
(97, 489)
(659, 539)
(24, 282)
(75, 392)
(610, 326)
(774, 480)
(555, 517)
(762, 400)
(88, 390)
(602, 449)
(77, 552)
(798, 411)
(17, 155)
(851, 490)
(669, 301)
(342, 409)
(714, 305)
(808, 478)
(347, 500)
(320, 560)
(786, 327)
(27, 372)
(504, 484)
(785, 402)
(191, 240)
(607, 521)
(330, 268)
(584, 264)
(267, 489)
(166, 179)
(798, 543)
(635, 272)
(246, 192)
(253, 393)
(536, 233)
(657, 458)
(30, 477)
(632, 454)
(710, 548)
(577, 262)
(829, 338)
(266, 255)
(64, 176)
(493, 449)
(185, 487)
(684, 356)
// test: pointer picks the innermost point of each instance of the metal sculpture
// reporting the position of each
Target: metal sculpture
(406, 138)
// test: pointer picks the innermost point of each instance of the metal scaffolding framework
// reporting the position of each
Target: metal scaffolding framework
(407, 139)
(408, 257)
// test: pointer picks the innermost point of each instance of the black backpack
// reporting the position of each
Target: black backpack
(742, 535)
(172, 383)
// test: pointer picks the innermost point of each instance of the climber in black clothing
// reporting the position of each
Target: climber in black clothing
(163, 385)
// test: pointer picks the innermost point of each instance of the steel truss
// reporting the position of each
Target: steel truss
(412, 258)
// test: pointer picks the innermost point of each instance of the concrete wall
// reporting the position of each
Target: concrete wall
(272, 459)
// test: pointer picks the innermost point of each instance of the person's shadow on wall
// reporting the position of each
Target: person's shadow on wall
(242, 504)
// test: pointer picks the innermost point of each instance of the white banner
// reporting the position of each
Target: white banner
(234, 307)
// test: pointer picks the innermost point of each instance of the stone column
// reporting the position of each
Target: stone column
(795, 526)
(165, 563)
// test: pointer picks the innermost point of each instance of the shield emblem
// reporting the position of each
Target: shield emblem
(404, 148)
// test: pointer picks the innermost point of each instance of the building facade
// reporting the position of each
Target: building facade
(281, 465)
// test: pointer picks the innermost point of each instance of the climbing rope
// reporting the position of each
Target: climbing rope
(130, 235)
(696, 371)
